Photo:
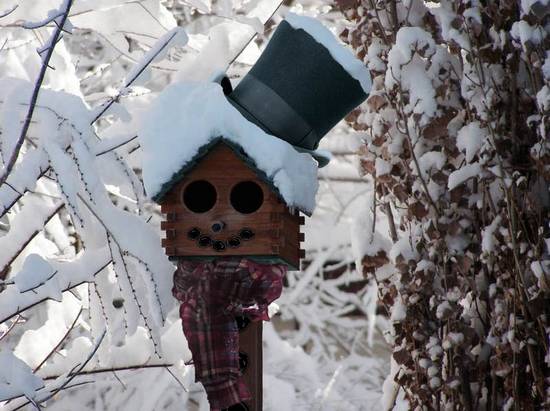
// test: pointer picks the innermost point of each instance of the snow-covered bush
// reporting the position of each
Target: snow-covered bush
(456, 141)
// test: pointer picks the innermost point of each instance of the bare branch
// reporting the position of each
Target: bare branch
(251, 38)
(344, 179)
(116, 369)
(120, 144)
(77, 384)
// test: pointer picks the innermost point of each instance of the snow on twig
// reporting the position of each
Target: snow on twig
(69, 275)
(34, 98)
(29, 224)
(8, 12)
(118, 259)
(177, 34)
(12, 325)
(61, 341)
(113, 144)
(54, 14)
(52, 389)
(253, 36)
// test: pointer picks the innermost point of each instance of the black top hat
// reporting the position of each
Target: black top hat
(297, 91)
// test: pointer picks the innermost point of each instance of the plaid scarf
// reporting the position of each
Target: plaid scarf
(212, 294)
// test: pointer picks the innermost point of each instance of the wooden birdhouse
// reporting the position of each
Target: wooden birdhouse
(220, 204)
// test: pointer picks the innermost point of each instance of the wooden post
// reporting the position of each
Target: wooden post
(250, 343)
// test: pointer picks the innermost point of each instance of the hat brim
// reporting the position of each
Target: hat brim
(322, 157)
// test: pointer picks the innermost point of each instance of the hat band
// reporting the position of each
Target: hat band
(265, 108)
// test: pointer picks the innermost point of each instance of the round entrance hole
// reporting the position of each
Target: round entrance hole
(199, 196)
(246, 197)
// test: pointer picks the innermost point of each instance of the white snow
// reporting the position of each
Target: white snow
(35, 271)
(464, 173)
(452, 339)
(186, 116)
(546, 66)
(60, 318)
(524, 32)
(487, 235)
(364, 240)
(431, 160)
(443, 310)
(403, 248)
(339, 52)
(174, 37)
(408, 66)
(541, 270)
(445, 16)
(543, 98)
(390, 388)
(68, 275)
(470, 139)
(16, 378)
(398, 311)
(29, 220)
(382, 166)
(527, 4)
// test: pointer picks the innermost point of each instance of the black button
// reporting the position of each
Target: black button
(234, 242)
(218, 245)
(205, 241)
(217, 226)
(246, 234)
(194, 233)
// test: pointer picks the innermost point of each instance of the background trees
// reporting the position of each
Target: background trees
(457, 144)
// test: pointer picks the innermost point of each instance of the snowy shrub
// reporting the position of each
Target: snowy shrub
(458, 118)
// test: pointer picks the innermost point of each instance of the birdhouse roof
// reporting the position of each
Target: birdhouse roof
(188, 119)
(203, 151)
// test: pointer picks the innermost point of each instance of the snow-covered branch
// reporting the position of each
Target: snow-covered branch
(50, 390)
(65, 8)
(13, 301)
(175, 37)
(6, 13)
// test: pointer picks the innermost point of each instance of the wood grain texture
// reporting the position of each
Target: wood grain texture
(277, 231)
(250, 343)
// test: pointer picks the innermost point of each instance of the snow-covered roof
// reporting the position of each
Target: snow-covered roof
(337, 50)
(186, 117)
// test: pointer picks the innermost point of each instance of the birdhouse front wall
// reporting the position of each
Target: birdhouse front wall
(221, 208)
